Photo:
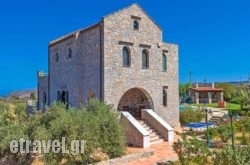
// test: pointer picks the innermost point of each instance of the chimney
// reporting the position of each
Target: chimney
(196, 85)
(212, 85)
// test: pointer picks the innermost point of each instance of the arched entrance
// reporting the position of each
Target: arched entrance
(134, 100)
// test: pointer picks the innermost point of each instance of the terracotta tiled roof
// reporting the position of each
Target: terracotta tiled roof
(207, 89)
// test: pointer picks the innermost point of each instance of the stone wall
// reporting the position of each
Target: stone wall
(42, 90)
(118, 32)
(80, 73)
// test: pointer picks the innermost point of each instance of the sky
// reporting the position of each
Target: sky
(213, 35)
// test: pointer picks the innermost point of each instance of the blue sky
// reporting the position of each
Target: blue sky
(213, 35)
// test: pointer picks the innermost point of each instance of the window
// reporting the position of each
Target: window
(126, 56)
(164, 62)
(57, 57)
(136, 25)
(145, 59)
(165, 97)
(69, 53)
(63, 97)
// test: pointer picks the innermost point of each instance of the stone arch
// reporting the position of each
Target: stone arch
(135, 99)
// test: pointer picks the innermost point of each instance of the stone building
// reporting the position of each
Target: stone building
(121, 60)
(205, 93)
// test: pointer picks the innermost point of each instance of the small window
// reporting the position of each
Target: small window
(145, 59)
(165, 97)
(164, 62)
(57, 57)
(63, 97)
(69, 53)
(126, 56)
(136, 25)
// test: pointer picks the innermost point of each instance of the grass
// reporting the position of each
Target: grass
(229, 106)
(232, 106)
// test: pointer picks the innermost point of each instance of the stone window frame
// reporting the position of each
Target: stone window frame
(165, 96)
(69, 53)
(136, 25)
(57, 57)
(164, 62)
(126, 56)
(145, 59)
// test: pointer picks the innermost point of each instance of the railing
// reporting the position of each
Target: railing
(136, 134)
(165, 130)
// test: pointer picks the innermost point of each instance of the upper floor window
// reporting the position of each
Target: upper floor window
(136, 25)
(145, 59)
(57, 56)
(69, 53)
(164, 62)
(125, 56)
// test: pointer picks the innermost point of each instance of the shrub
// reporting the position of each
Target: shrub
(187, 116)
(191, 150)
(96, 123)
(224, 132)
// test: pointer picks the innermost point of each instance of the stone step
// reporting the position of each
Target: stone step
(215, 119)
(156, 140)
(153, 134)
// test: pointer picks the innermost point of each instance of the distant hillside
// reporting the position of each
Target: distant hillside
(22, 94)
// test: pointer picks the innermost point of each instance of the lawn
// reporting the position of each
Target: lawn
(229, 106)
(232, 106)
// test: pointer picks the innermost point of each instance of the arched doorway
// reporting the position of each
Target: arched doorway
(134, 100)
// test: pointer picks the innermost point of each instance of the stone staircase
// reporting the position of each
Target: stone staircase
(154, 135)
(215, 119)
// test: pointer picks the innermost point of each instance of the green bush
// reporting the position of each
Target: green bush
(187, 116)
(192, 151)
(11, 128)
(228, 156)
(96, 123)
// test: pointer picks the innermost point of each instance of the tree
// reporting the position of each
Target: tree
(32, 96)
(228, 92)
(242, 96)
(183, 89)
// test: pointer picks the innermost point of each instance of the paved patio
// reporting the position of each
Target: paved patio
(162, 151)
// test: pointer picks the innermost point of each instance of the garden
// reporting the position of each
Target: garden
(95, 122)
(228, 143)
(225, 144)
